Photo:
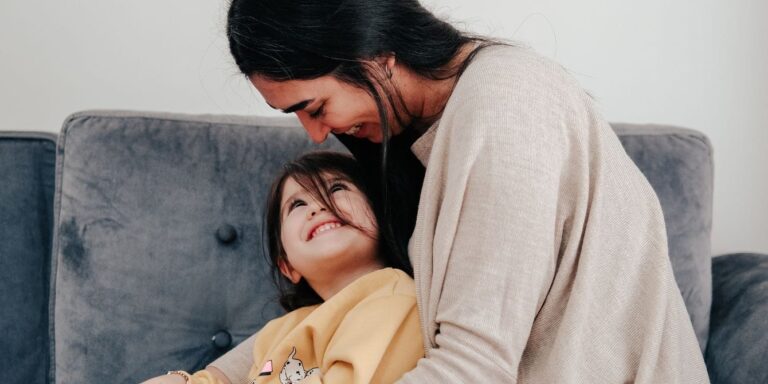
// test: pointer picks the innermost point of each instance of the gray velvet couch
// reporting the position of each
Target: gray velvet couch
(141, 251)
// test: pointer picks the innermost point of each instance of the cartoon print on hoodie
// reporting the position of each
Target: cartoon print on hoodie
(293, 370)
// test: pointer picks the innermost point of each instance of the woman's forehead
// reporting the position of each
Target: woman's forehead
(287, 93)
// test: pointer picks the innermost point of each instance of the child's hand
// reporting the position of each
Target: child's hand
(211, 375)
(166, 379)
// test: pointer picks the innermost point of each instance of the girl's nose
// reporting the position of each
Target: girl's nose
(314, 209)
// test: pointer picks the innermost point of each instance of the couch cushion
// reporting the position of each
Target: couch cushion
(26, 222)
(158, 258)
(678, 164)
(739, 338)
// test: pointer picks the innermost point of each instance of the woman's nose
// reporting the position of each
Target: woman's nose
(316, 130)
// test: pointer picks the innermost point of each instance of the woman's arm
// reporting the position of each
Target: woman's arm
(492, 228)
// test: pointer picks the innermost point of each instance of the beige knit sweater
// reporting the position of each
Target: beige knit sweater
(540, 251)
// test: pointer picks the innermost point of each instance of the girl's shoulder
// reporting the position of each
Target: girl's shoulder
(289, 321)
(403, 284)
(375, 285)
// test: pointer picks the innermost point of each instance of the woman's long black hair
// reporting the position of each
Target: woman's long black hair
(306, 39)
(311, 171)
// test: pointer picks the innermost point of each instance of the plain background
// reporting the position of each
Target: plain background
(697, 64)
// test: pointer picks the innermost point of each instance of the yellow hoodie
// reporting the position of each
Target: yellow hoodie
(366, 333)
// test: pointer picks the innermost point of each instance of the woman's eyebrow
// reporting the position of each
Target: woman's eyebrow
(298, 106)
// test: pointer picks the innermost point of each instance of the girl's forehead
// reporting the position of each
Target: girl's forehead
(291, 186)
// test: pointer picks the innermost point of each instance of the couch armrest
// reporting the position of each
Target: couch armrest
(738, 338)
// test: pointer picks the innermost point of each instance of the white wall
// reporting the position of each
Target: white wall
(699, 64)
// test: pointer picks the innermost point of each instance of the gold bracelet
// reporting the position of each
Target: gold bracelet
(187, 378)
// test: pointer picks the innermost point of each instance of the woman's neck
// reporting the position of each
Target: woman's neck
(426, 98)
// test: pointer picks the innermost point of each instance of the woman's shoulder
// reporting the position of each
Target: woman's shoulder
(503, 60)
(508, 90)
(500, 73)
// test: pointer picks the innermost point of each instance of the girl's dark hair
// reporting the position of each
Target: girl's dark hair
(310, 172)
(306, 39)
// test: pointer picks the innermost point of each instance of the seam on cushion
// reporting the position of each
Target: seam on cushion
(61, 140)
(29, 135)
(630, 129)
(706, 147)
(202, 118)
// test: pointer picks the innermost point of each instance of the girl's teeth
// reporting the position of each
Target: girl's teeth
(325, 227)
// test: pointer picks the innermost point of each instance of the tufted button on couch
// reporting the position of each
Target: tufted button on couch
(132, 245)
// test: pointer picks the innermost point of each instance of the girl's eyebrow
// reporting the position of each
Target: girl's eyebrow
(300, 191)
(289, 199)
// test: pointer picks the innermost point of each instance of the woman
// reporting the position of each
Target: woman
(539, 249)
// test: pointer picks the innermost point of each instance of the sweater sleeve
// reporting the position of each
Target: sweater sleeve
(204, 377)
(489, 251)
(236, 363)
(377, 342)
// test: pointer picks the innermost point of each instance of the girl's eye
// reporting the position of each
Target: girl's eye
(296, 203)
(335, 187)
(318, 112)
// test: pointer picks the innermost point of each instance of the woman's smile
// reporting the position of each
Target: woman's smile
(325, 105)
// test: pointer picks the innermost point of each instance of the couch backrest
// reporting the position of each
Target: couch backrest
(157, 255)
(26, 224)
(158, 251)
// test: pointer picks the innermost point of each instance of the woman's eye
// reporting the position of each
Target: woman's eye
(318, 112)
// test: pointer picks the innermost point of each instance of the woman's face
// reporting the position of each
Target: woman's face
(316, 243)
(325, 105)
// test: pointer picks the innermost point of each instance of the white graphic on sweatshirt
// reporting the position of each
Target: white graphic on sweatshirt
(293, 370)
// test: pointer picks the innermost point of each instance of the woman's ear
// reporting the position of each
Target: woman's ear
(385, 63)
(288, 271)
(390, 61)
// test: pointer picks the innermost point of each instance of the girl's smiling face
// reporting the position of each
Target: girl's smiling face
(318, 245)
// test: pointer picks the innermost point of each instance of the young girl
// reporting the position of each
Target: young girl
(353, 315)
